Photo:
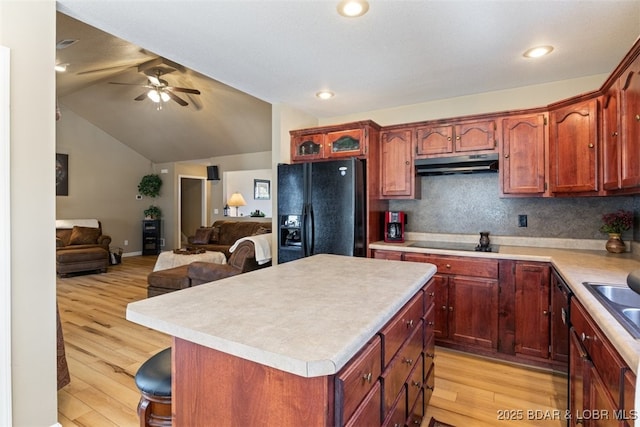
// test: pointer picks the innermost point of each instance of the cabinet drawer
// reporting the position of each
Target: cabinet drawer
(629, 392)
(390, 255)
(416, 413)
(397, 373)
(464, 266)
(401, 326)
(415, 382)
(357, 378)
(601, 352)
(397, 415)
(429, 325)
(429, 384)
(368, 413)
(429, 294)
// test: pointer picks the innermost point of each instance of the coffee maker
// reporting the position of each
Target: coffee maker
(394, 222)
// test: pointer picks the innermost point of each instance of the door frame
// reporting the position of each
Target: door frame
(203, 198)
(6, 415)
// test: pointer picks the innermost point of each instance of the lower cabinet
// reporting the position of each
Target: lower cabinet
(466, 299)
(390, 381)
(600, 382)
(532, 310)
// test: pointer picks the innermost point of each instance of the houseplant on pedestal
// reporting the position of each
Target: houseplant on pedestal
(614, 224)
(152, 212)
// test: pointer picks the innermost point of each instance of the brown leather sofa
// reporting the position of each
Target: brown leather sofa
(242, 260)
(224, 233)
(81, 246)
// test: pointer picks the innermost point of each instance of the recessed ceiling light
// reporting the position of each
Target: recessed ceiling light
(65, 43)
(353, 8)
(325, 94)
(538, 51)
(61, 68)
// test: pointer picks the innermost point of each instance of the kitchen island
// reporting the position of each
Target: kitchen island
(264, 348)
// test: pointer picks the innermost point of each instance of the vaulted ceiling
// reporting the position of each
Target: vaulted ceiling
(246, 55)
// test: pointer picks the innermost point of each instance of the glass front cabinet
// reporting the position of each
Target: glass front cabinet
(332, 142)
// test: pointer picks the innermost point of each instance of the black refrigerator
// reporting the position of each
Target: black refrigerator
(321, 209)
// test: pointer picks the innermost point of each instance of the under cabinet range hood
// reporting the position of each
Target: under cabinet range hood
(472, 163)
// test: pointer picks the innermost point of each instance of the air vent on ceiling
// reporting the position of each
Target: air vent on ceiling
(65, 43)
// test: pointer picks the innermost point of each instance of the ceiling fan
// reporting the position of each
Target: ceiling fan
(160, 91)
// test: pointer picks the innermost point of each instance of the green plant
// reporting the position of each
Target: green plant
(150, 185)
(617, 222)
(152, 212)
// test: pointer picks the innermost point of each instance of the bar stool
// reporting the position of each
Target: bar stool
(153, 379)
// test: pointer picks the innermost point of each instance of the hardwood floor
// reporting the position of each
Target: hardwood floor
(104, 351)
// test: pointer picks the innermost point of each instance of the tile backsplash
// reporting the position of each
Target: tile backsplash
(468, 204)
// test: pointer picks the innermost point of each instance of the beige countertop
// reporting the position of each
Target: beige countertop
(307, 317)
(575, 265)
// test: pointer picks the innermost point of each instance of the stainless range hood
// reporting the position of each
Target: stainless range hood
(472, 163)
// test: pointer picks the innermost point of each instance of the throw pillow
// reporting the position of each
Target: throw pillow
(215, 234)
(202, 236)
(84, 235)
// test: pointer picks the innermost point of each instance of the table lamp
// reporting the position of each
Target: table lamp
(236, 201)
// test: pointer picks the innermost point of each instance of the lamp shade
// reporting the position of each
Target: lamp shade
(212, 173)
(236, 200)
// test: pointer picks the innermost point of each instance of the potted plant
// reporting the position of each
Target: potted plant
(615, 224)
(152, 212)
(150, 185)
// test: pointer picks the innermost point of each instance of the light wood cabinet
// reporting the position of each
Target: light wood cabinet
(522, 169)
(398, 178)
(573, 148)
(462, 137)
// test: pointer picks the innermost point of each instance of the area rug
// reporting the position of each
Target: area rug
(436, 423)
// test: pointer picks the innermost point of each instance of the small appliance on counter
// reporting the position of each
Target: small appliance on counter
(394, 222)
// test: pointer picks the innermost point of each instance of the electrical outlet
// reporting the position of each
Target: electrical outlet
(126, 243)
(522, 220)
(162, 242)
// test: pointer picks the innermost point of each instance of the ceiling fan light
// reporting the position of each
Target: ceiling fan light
(164, 96)
(154, 95)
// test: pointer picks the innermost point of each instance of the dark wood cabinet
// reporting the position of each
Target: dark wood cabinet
(389, 255)
(533, 310)
(466, 300)
(573, 148)
(630, 126)
(151, 236)
(398, 177)
(522, 168)
(598, 376)
(560, 295)
(461, 137)
(611, 139)
(333, 142)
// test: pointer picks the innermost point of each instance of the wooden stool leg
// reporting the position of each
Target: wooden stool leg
(154, 411)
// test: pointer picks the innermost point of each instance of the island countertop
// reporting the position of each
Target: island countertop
(307, 317)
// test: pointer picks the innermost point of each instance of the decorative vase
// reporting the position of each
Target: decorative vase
(484, 239)
(615, 245)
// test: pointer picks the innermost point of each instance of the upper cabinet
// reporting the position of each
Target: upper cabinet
(522, 168)
(331, 142)
(398, 179)
(611, 139)
(461, 138)
(630, 119)
(573, 148)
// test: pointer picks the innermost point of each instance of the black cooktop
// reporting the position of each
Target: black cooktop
(455, 246)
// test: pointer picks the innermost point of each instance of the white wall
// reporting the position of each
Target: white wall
(242, 182)
(28, 29)
(488, 102)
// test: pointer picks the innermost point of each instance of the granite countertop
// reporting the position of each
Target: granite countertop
(575, 265)
(306, 317)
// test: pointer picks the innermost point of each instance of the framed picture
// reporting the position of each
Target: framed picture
(62, 174)
(261, 189)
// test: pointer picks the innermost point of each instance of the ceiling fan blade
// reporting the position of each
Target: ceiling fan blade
(140, 97)
(131, 84)
(183, 89)
(177, 98)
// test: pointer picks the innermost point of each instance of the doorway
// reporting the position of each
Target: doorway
(193, 206)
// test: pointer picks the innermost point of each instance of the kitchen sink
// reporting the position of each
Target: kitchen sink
(621, 302)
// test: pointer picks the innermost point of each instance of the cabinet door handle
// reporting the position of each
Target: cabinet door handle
(410, 324)
(450, 308)
(506, 156)
(614, 133)
(407, 162)
(430, 355)
(408, 361)
(545, 312)
(367, 377)
(448, 265)
(585, 337)
(417, 384)
(638, 117)
(429, 387)
(444, 307)
(432, 294)
(590, 145)
(430, 323)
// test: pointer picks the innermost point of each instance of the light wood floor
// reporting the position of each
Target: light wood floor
(104, 351)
